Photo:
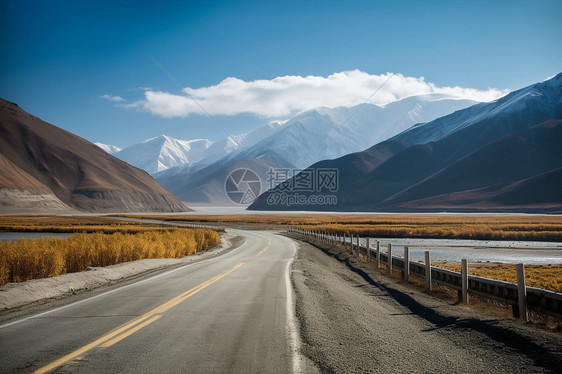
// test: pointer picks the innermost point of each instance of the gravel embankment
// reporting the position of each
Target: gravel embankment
(354, 320)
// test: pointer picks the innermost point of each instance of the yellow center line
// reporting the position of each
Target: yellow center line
(265, 249)
(135, 325)
(109, 343)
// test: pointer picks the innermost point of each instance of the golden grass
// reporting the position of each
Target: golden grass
(27, 259)
(51, 223)
(547, 277)
(523, 227)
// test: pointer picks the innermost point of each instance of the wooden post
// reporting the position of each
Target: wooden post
(358, 247)
(389, 265)
(406, 264)
(427, 272)
(464, 280)
(522, 293)
(378, 254)
(368, 250)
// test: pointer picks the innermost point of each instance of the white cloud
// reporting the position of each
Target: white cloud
(141, 89)
(283, 96)
(116, 99)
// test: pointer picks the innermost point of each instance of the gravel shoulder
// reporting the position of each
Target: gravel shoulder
(355, 320)
(18, 300)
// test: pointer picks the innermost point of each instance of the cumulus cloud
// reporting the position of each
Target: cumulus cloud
(116, 99)
(283, 96)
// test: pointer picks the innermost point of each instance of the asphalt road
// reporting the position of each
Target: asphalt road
(232, 313)
(235, 314)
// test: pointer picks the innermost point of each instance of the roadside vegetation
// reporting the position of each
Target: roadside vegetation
(96, 242)
(484, 227)
(547, 277)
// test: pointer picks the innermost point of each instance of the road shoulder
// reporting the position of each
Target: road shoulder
(353, 319)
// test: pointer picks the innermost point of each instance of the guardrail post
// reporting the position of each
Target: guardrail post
(464, 280)
(427, 272)
(389, 265)
(368, 250)
(378, 254)
(358, 247)
(406, 264)
(522, 293)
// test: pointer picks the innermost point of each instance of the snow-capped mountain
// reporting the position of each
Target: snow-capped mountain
(163, 152)
(158, 154)
(504, 155)
(327, 133)
(236, 143)
(531, 98)
(322, 133)
(111, 149)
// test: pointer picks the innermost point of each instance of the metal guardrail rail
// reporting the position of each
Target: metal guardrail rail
(518, 295)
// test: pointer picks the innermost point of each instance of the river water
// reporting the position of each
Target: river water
(454, 250)
(5, 236)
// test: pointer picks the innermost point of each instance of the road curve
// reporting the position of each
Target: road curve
(232, 313)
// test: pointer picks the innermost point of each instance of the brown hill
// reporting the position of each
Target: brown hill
(39, 159)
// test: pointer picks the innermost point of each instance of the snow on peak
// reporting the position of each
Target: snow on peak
(111, 149)
(327, 133)
(163, 152)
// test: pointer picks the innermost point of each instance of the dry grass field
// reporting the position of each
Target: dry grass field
(547, 277)
(96, 242)
(486, 227)
(27, 259)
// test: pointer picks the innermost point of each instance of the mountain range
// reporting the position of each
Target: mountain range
(163, 152)
(432, 153)
(197, 175)
(44, 168)
(499, 156)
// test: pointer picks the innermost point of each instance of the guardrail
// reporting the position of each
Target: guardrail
(200, 226)
(518, 295)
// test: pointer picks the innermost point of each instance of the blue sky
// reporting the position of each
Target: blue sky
(60, 58)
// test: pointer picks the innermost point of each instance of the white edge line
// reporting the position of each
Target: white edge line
(294, 338)
(116, 289)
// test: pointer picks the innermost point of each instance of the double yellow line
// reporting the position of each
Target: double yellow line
(130, 328)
